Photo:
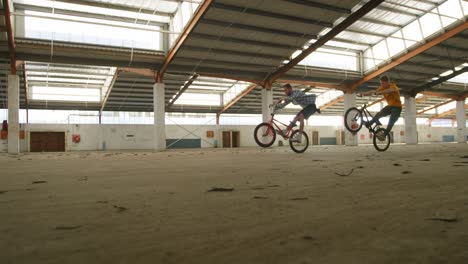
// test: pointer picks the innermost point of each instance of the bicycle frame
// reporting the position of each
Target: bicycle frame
(365, 112)
(273, 122)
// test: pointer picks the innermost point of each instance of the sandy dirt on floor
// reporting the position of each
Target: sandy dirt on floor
(331, 204)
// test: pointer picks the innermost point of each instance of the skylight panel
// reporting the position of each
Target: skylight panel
(198, 99)
(93, 31)
(65, 94)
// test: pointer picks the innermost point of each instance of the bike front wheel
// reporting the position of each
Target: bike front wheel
(353, 120)
(299, 141)
(381, 140)
(264, 135)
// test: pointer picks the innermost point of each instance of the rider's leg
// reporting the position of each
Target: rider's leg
(384, 112)
(301, 120)
(395, 114)
(298, 136)
(293, 122)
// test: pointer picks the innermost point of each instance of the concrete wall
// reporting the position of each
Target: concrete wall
(140, 137)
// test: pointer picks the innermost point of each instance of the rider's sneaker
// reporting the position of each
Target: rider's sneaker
(297, 138)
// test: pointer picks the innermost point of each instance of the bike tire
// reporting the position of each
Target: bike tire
(264, 135)
(353, 120)
(296, 146)
(381, 144)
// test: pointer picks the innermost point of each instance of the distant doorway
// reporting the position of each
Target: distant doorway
(47, 141)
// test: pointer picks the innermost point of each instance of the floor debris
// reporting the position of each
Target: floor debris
(38, 182)
(120, 209)
(67, 227)
(218, 189)
(346, 174)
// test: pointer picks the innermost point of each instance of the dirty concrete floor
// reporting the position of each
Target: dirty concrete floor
(332, 204)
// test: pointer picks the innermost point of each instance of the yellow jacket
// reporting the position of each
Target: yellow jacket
(393, 98)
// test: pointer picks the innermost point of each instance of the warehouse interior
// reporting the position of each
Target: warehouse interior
(128, 131)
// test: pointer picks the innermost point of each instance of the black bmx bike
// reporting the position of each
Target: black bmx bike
(355, 118)
(265, 135)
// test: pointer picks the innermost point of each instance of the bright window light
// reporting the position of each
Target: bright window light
(451, 8)
(199, 99)
(446, 107)
(65, 94)
(235, 90)
(380, 51)
(430, 24)
(462, 78)
(327, 97)
(81, 32)
(414, 32)
(395, 46)
(64, 80)
(332, 59)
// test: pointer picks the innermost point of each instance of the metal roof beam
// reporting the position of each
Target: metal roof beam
(182, 90)
(337, 100)
(438, 94)
(463, 26)
(449, 112)
(366, 8)
(312, 83)
(435, 106)
(111, 85)
(258, 12)
(197, 16)
(234, 53)
(116, 7)
(440, 80)
(257, 29)
(237, 98)
(337, 9)
(243, 41)
(59, 11)
(239, 64)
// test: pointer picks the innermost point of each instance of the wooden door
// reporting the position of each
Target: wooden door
(315, 138)
(226, 139)
(47, 141)
(235, 139)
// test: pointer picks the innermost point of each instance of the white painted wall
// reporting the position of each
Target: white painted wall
(140, 137)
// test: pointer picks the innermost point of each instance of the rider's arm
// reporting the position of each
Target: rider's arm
(286, 101)
(386, 91)
(369, 93)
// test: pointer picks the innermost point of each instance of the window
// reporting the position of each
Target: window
(198, 99)
(65, 94)
(334, 59)
(91, 31)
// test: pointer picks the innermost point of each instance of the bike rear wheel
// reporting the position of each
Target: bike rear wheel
(264, 135)
(299, 147)
(353, 120)
(381, 140)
